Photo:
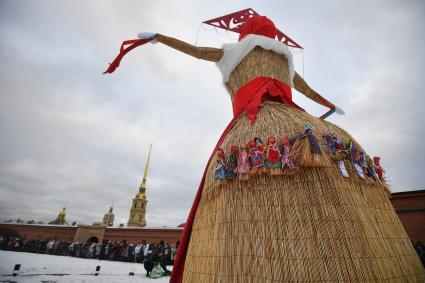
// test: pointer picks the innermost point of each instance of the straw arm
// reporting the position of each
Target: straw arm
(301, 86)
(204, 53)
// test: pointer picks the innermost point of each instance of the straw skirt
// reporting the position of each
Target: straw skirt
(315, 225)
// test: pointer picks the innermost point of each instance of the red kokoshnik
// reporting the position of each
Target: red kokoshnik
(259, 25)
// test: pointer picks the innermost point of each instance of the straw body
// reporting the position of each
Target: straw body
(259, 63)
(312, 225)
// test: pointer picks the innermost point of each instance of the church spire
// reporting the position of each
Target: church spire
(60, 220)
(108, 218)
(138, 208)
(145, 175)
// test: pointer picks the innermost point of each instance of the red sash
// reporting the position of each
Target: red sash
(249, 97)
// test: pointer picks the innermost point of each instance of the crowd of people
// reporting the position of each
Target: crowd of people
(150, 254)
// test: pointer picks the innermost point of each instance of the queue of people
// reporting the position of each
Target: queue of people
(154, 256)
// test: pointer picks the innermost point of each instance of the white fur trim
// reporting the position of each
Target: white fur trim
(147, 35)
(339, 110)
(235, 52)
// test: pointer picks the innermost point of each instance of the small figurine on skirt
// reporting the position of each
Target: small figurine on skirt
(371, 168)
(273, 161)
(232, 163)
(220, 172)
(243, 167)
(378, 169)
(288, 165)
(256, 156)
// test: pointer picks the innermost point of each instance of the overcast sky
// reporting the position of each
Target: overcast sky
(71, 136)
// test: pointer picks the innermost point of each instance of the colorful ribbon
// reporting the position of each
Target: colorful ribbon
(134, 43)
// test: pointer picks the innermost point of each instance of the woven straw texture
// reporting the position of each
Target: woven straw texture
(313, 226)
(257, 63)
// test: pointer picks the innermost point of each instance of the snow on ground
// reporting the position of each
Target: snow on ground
(42, 268)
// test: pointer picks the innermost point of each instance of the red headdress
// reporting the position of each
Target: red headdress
(260, 25)
(241, 22)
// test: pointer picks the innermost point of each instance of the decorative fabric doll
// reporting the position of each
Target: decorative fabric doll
(349, 149)
(220, 173)
(334, 146)
(378, 169)
(371, 168)
(380, 172)
(340, 149)
(256, 156)
(314, 145)
(243, 167)
(232, 163)
(330, 141)
(361, 159)
(273, 161)
(288, 165)
(316, 224)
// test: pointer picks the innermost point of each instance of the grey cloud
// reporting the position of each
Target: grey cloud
(72, 136)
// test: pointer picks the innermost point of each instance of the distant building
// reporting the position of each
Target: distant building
(92, 233)
(108, 219)
(60, 220)
(138, 208)
(410, 208)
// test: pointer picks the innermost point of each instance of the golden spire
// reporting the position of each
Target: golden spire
(60, 220)
(145, 175)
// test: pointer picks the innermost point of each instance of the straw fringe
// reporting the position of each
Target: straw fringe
(315, 225)
(300, 152)
(302, 155)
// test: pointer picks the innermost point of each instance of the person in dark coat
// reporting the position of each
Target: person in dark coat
(148, 261)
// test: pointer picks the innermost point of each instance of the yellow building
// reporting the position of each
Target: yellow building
(138, 209)
(60, 220)
(108, 218)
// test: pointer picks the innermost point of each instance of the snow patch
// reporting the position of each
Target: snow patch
(40, 267)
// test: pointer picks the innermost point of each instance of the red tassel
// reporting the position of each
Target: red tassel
(134, 43)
